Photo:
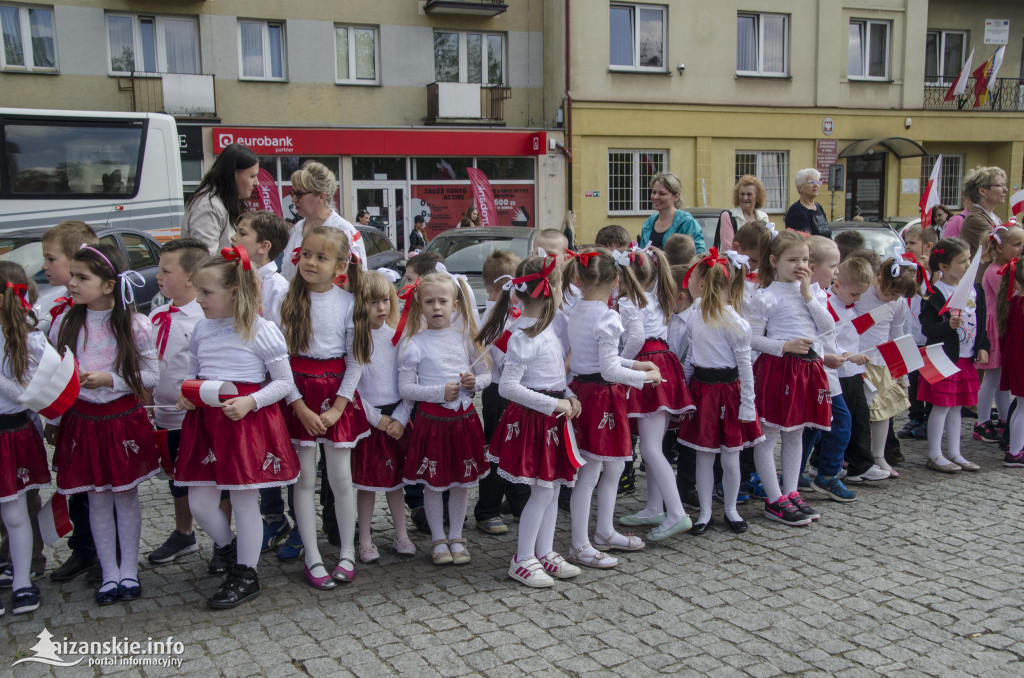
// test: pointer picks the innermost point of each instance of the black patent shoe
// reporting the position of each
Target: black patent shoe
(223, 558)
(129, 589)
(737, 526)
(700, 528)
(241, 584)
(108, 597)
(75, 565)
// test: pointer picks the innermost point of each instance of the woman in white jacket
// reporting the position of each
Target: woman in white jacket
(220, 198)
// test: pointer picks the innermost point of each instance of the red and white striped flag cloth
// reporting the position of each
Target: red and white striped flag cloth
(575, 458)
(960, 86)
(54, 523)
(962, 294)
(930, 196)
(1017, 203)
(937, 365)
(207, 392)
(54, 385)
(866, 321)
(901, 356)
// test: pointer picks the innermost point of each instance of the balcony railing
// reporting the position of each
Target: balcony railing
(464, 102)
(1007, 95)
(471, 7)
(178, 94)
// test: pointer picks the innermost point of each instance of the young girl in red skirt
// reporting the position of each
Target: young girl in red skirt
(1010, 321)
(243, 445)
(378, 460)
(529, 444)
(964, 340)
(646, 332)
(326, 356)
(22, 456)
(790, 386)
(439, 369)
(105, 444)
(603, 384)
(718, 366)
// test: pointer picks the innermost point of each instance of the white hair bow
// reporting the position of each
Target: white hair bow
(736, 259)
(456, 277)
(541, 252)
(772, 229)
(510, 285)
(994, 235)
(390, 274)
(898, 263)
(622, 258)
(129, 280)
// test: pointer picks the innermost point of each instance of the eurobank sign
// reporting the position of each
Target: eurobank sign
(394, 142)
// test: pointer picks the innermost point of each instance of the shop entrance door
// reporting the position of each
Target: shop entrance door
(865, 181)
(386, 204)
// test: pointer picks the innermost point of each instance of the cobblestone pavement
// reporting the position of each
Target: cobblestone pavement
(920, 576)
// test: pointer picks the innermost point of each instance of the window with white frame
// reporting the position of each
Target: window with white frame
(636, 37)
(28, 38)
(762, 44)
(629, 179)
(152, 44)
(261, 50)
(469, 57)
(949, 179)
(772, 168)
(944, 56)
(869, 50)
(357, 55)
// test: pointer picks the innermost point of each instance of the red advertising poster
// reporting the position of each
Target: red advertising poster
(442, 206)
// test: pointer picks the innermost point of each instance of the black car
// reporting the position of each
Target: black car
(379, 251)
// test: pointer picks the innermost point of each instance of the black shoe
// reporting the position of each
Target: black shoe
(419, 519)
(803, 507)
(131, 590)
(334, 538)
(627, 484)
(908, 429)
(700, 528)
(175, 546)
(108, 597)
(94, 575)
(25, 600)
(737, 526)
(241, 584)
(1013, 461)
(691, 500)
(1004, 445)
(783, 511)
(223, 558)
(75, 565)
(986, 433)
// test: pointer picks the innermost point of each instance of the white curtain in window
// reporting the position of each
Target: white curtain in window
(746, 43)
(252, 49)
(774, 43)
(122, 43)
(366, 67)
(621, 36)
(14, 52)
(771, 177)
(276, 51)
(856, 51)
(341, 45)
(41, 23)
(180, 44)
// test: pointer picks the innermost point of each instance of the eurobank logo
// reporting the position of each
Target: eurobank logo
(261, 143)
(225, 139)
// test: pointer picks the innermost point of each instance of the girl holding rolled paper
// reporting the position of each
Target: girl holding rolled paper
(105, 444)
(242, 445)
(327, 357)
(530, 445)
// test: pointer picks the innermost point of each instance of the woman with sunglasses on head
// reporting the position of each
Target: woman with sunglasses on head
(806, 214)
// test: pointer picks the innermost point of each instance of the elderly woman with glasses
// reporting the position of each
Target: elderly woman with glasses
(986, 188)
(806, 214)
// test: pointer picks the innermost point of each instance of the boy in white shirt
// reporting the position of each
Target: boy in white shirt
(263, 235)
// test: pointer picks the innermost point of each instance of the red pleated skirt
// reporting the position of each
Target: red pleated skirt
(716, 426)
(378, 460)
(791, 392)
(105, 446)
(960, 389)
(602, 429)
(530, 448)
(671, 395)
(318, 382)
(22, 458)
(446, 449)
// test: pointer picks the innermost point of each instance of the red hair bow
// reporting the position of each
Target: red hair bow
(1009, 268)
(922, 274)
(20, 290)
(584, 257)
(232, 253)
(405, 294)
(711, 259)
(543, 287)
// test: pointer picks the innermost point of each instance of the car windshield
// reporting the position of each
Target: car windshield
(26, 252)
(466, 254)
(883, 241)
(708, 227)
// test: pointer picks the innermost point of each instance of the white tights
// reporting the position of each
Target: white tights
(659, 472)
(944, 419)
(607, 492)
(19, 536)
(106, 531)
(537, 523)
(339, 475)
(204, 502)
(990, 391)
(764, 460)
(706, 483)
(365, 501)
(1017, 427)
(879, 434)
(433, 507)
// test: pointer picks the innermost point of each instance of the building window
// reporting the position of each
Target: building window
(629, 179)
(636, 37)
(469, 57)
(869, 50)
(356, 49)
(28, 38)
(944, 56)
(762, 44)
(949, 180)
(772, 168)
(261, 50)
(152, 44)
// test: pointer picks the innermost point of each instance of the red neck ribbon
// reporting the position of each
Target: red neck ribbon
(405, 295)
(1009, 269)
(163, 322)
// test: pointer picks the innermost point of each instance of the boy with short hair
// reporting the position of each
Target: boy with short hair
(920, 242)
(263, 235)
(679, 249)
(613, 237)
(849, 242)
(174, 323)
(554, 243)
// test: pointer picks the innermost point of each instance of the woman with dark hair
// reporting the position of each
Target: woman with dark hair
(220, 198)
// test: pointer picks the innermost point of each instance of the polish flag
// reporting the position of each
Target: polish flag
(930, 197)
(901, 356)
(501, 343)
(53, 519)
(863, 323)
(1017, 203)
(207, 392)
(937, 365)
(575, 458)
(960, 86)
(962, 294)
(54, 386)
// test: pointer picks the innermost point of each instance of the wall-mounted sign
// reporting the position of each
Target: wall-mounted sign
(997, 31)
(826, 153)
(827, 126)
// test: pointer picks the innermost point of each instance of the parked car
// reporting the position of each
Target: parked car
(901, 224)
(24, 246)
(878, 236)
(708, 218)
(379, 251)
(465, 250)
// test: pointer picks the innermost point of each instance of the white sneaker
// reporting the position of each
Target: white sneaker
(558, 567)
(872, 474)
(530, 572)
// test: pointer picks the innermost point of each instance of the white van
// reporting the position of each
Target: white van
(106, 169)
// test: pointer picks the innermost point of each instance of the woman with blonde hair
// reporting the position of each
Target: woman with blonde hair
(748, 198)
(987, 190)
(666, 198)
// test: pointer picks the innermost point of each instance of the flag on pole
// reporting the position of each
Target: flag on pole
(960, 86)
(930, 196)
(937, 365)
(962, 293)
(483, 196)
(901, 356)
(575, 458)
(1017, 203)
(53, 519)
(985, 77)
(866, 321)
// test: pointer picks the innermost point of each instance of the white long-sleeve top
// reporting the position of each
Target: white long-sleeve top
(10, 387)
(274, 286)
(433, 358)
(219, 353)
(678, 336)
(561, 321)
(594, 331)
(355, 242)
(641, 324)
(912, 325)
(534, 364)
(884, 330)
(174, 363)
(827, 344)
(379, 383)
(96, 351)
(497, 355)
(721, 347)
(778, 313)
(332, 333)
(847, 339)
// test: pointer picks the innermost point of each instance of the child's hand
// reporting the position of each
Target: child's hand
(644, 366)
(576, 407)
(799, 346)
(468, 381)
(858, 359)
(803, 274)
(653, 376)
(50, 434)
(93, 380)
(395, 429)
(833, 361)
(563, 406)
(981, 356)
(309, 419)
(333, 414)
(237, 408)
(451, 392)
(184, 403)
(954, 321)
(384, 422)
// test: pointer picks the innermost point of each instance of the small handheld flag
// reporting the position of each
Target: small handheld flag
(1017, 203)
(206, 392)
(575, 458)
(901, 356)
(866, 321)
(962, 294)
(53, 519)
(937, 365)
(54, 386)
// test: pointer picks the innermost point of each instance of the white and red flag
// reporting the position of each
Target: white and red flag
(53, 519)
(1017, 203)
(930, 197)
(937, 365)
(54, 385)
(575, 458)
(866, 321)
(960, 86)
(962, 294)
(207, 392)
(901, 355)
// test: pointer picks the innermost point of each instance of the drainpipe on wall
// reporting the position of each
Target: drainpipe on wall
(568, 109)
